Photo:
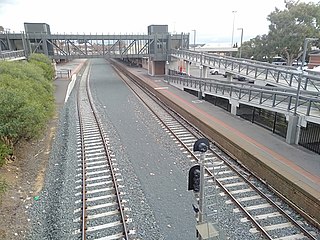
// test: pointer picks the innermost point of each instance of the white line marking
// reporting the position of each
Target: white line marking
(161, 88)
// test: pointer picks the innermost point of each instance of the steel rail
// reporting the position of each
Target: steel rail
(115, 184)
(83, 157)
(262, 195)
(107, 154)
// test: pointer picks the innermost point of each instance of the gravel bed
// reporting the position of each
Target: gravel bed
(144, 127)
(152, 166)
(52, 215)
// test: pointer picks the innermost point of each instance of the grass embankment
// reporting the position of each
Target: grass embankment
(27, 103)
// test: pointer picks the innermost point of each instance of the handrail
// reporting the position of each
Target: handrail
(11, 55)
(279, 99)
(255, 70)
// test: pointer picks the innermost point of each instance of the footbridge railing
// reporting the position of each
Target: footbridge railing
(255, 70)
(12, 55)
(282, 100)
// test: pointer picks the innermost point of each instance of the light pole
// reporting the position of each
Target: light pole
(234, 17)
(305, 46)
(240, 48)
(194, 39)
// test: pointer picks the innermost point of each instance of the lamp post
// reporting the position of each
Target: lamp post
(234, 16)
(240, 48)
(305, 46)
(194, 39)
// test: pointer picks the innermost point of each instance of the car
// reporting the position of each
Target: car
(315, 69)
(240, 78)
(214, 71)
(279, 61)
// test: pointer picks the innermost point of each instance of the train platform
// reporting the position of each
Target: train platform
(65, 71)
(302, 162)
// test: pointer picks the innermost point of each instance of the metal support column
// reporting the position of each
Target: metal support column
(200, 83)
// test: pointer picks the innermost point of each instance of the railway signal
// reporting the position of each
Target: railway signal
(194, 179)
(205, 229)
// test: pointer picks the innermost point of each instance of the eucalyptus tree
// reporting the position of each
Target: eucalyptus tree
(287, 31)
(257, 48)
(288, 28)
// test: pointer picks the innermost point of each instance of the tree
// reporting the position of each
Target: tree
(290, 27)
(257, 48)
(287, 30)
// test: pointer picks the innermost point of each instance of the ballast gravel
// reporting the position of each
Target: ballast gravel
(152, 166)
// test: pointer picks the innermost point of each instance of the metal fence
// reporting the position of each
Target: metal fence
(63, 73)
(273, 121)
(310, 137)
(12, 55)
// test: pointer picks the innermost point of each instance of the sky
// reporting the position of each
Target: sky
(214, 21)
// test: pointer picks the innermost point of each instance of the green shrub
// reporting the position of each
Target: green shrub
(26, 100)
(26, 108)
(44, 63)
(39, 57)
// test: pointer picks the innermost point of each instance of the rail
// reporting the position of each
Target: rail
(95, 149)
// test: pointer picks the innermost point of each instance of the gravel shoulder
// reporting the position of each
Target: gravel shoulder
(25, 178)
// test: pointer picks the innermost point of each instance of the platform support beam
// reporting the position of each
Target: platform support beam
(156, 68)
(234, 106)
(229, 76)
(187, 64)
(204, 71)
(293, 129)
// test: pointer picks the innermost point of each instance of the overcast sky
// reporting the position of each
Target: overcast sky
(212, 19)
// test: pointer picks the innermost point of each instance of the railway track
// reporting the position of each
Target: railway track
(100, 211)
(269, 215)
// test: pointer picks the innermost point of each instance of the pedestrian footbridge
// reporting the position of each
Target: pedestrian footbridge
(259, 72)
(285, 90)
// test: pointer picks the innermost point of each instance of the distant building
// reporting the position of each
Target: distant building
(37, 28)
(314, 60)
(218, 48)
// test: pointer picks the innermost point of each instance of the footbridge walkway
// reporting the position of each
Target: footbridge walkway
(293, 93)
(262, 73)
(276, 99)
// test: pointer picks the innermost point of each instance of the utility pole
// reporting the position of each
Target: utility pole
(241, 38)
(234, 17)
(305, 46)
(194, 39)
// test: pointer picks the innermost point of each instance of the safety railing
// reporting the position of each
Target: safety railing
(271, 74)
(12, 55)
(63, 73)
(282, 100)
